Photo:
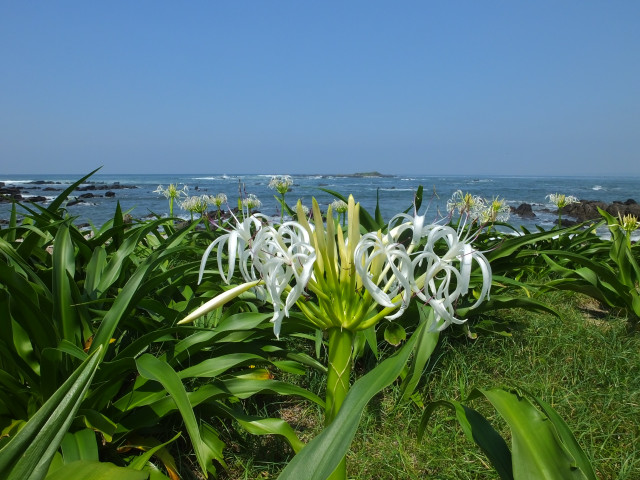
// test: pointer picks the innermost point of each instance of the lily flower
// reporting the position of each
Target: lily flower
(251, 202)
(172, 193)
(356, 280)
(281, 183)
(497, 210)
(561, 200)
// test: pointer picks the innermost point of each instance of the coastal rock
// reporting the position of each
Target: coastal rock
(588, 209)
(110, 194)
(88, 195)
(9, 194)
(37, 198)
(524, 210)
(113, 186)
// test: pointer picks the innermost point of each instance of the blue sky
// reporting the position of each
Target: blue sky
(456, 87)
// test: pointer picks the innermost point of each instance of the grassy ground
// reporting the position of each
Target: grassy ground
(586, 364)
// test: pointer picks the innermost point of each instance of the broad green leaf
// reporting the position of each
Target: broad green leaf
(28, 454)
(568, 439)
(154, 369)
(84, 470)
(537, 450)
(63, 272)
(477, 429)
(150, 450)
(322, 455)
(424, 348)
(81, 445)
(98, 421)
(213, 367)
(394, 334)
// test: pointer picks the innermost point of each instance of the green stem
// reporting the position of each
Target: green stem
(282, 209)
(340, 357)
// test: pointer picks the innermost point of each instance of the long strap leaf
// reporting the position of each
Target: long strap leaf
(28, 454)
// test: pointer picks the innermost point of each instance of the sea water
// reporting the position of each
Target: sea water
(394, 193)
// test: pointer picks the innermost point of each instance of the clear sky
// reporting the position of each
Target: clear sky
(442, 87)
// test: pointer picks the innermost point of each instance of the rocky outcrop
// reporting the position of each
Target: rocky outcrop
(588, 209)
(9, 194)
(113, 186)
(524, 210)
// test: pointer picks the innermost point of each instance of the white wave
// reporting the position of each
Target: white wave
(596, 187)
(16, 181)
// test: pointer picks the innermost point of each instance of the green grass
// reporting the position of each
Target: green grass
(585, 364)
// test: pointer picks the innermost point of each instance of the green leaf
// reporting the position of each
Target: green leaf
(81, 445)
(28, 454)
(537, 450)
(98, 421)
(154, 369)
(63, 272)
(83, 470)
(322, 455)
(395, 334)
(426, 345)
(141, 460)
(568, 439)
(477, 429)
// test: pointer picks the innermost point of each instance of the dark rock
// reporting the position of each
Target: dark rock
(37, 198)
(113, 186)
(584, 210)
(75, 201)
(88, 195)
(50, 189)
(588, 209)
(110, 194)
(524, 210)
(9, 194)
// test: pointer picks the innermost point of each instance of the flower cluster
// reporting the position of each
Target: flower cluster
(281, 183)
(196, 204)
(628, 223)
(251, 202)
(172, 191)
(561, 200)
(356, 279)
(477, 209)
(218, 200)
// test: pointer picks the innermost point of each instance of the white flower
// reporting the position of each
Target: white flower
(561, 200)
(446, 276)
(339, 206)
(172, 191)
(281, 183)
(195, 204)
(465, 203)
(251, 202)
(496, 211)
(352, 276)
(219, 200)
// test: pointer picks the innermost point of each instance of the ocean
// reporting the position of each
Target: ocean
(395, 192)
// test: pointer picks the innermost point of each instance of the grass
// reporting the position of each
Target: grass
(585, 364)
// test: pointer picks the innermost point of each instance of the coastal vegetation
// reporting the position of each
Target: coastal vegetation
(328, 344)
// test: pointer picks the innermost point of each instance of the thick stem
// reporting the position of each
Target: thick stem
(340, 356)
